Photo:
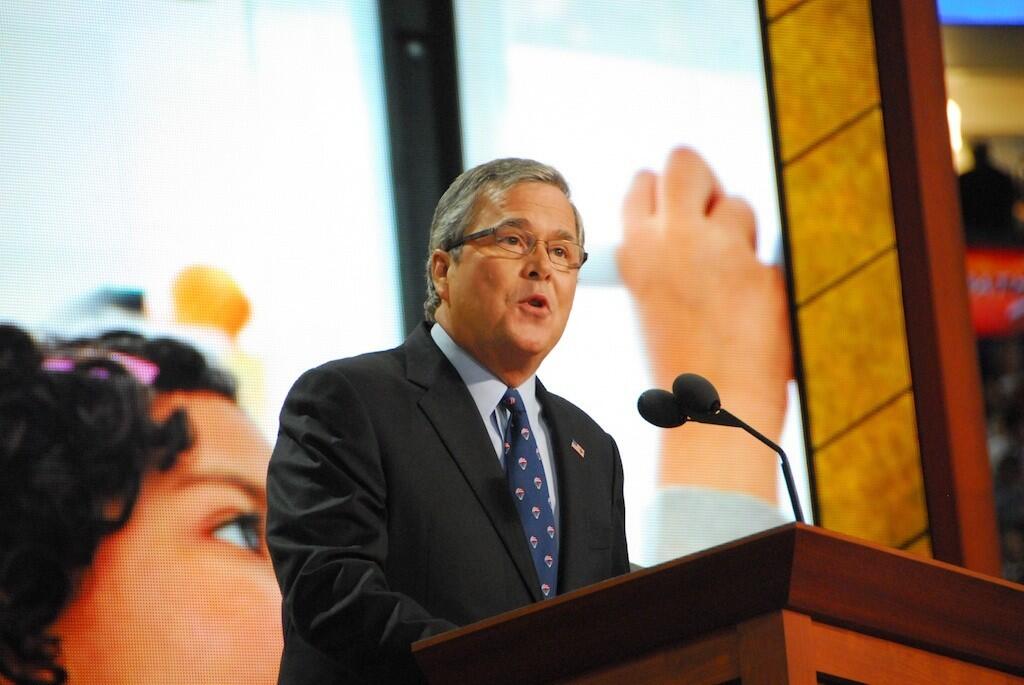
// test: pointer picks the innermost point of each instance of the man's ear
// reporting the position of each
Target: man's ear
(440, 262)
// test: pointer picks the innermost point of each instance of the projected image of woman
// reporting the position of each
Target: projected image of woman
(131, 517)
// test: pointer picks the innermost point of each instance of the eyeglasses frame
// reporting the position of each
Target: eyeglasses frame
(483, 233)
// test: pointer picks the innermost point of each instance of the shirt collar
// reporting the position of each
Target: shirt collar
(485, 388)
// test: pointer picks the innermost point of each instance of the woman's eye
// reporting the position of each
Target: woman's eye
(244, 530)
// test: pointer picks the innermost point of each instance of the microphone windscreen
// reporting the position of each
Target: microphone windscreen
(660, 408)
(695, 394)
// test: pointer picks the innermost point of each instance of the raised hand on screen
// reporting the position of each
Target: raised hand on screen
(707, 305)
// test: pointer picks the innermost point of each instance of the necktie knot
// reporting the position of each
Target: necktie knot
(512, 401)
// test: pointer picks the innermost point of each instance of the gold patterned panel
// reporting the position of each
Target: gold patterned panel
(841, 247)
(870, 482)
(823, 67)
(854, 348)
(838, 202)
(776, 7)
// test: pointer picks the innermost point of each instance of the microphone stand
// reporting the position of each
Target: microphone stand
(721, 417)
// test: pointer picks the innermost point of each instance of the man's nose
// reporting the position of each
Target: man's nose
(538, 261)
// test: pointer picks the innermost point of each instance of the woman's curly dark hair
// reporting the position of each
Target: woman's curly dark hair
(75, 444)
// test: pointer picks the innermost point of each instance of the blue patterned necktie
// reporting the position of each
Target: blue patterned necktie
(530, 492)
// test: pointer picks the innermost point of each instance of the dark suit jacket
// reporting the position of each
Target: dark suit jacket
(390, 519)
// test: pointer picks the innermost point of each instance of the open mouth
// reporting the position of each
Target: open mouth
(536, 301)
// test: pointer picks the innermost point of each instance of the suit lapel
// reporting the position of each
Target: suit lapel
(450, 408)
(573, 490)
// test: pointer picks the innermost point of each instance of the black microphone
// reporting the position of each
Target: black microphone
(660, 408)
(695, 394)
(694, 398)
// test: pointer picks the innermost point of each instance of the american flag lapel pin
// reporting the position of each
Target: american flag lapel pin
(579, 449)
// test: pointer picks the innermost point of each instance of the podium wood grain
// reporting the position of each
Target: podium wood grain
(781, 606)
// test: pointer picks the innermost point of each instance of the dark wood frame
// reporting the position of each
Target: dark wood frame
(943, 357)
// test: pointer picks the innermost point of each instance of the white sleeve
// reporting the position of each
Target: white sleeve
(686, 519)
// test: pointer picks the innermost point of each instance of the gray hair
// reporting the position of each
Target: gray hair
(457, 207)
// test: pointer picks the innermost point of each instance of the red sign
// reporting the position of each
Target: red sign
(995, 283)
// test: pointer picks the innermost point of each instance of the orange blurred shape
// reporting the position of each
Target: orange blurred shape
(208, 296)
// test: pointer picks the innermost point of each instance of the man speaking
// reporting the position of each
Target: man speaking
(436, 484)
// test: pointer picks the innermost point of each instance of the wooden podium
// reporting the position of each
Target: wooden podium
(795, 604)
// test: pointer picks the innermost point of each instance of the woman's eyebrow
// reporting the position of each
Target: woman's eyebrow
(252, 488)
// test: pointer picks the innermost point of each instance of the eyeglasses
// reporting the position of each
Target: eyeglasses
(565, 255)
